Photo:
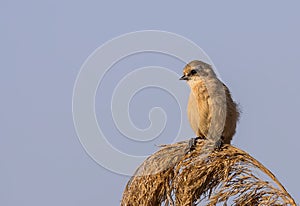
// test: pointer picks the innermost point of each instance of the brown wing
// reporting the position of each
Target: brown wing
(232, 117)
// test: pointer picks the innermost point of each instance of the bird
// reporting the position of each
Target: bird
(212, 113)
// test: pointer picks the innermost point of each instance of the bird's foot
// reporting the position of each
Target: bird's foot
(192, 143)
(218, 144)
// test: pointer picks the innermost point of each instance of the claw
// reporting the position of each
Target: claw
(219, 144)
(192, 143)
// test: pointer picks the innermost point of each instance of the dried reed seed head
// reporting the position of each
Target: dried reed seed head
(173, 176)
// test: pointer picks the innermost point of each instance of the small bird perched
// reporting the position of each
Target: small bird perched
(212, 113)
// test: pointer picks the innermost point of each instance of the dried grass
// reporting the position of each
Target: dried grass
(174, 176)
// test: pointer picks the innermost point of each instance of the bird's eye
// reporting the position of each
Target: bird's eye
(193, 71)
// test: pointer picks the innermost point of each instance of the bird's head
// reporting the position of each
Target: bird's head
(197, 71)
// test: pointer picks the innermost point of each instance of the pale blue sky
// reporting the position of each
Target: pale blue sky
(255, 46)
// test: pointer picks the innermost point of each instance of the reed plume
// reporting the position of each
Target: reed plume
(230, 176)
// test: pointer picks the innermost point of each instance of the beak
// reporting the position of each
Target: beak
(184, 77)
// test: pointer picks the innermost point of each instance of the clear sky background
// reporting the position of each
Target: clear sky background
(254, 45)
